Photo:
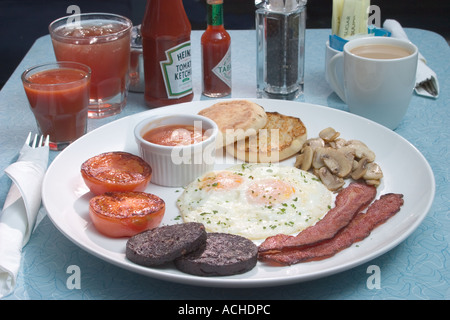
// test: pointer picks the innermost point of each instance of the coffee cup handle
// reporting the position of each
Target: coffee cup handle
(335, 82)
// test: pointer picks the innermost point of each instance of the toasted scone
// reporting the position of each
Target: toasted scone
(282, 137)
(236, 119)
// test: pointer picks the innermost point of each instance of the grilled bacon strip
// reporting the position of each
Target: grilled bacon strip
(351, 200)
(358, 229)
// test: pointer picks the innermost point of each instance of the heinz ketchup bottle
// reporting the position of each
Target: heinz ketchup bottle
(166, 44)
(216, 53)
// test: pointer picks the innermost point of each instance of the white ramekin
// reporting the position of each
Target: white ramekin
(177, 166)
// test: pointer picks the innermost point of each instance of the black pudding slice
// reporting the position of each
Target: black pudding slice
(164, 244)
(224, 255)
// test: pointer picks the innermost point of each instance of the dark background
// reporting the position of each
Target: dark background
(23, 21)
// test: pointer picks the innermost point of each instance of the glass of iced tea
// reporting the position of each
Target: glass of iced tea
(101, 41)
(58, 94)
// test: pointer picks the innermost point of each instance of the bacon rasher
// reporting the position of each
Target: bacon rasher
(351, 200)
(358, 229)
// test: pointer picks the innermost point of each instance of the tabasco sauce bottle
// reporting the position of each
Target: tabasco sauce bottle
(216, 53)
(166, 45)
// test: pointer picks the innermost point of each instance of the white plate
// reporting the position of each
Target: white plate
(406, 171)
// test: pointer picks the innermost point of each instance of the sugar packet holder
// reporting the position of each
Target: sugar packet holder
(338, 43)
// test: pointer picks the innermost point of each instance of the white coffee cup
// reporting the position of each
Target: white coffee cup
(379, 89)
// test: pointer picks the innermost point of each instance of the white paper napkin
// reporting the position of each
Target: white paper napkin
(20, 210)
(423, 70)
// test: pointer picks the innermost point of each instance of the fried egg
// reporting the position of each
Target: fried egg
(255, 200)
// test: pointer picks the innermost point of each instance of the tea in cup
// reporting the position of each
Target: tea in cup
(378, 77)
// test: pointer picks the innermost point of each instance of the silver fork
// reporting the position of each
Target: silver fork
(35, 144)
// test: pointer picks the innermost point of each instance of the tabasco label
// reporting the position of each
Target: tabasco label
(223, 69)
(177, 71)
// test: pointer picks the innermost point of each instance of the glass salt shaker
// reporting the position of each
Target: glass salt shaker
(136, 75)
(280, 29)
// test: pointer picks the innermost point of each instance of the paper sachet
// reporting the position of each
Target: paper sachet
(350, 17)
(350, 20)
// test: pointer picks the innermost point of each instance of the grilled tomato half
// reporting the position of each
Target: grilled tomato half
(124, 214)
(116, 171)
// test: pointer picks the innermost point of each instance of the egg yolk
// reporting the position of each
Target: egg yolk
(269, 192)
(221, 181)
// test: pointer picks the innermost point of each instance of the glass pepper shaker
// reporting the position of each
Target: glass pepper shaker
(280, 29)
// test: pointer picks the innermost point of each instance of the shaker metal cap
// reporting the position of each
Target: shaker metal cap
(136, 37)
(280, 5)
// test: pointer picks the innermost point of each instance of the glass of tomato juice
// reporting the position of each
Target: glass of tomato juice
(58, 94)
(102, 42)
